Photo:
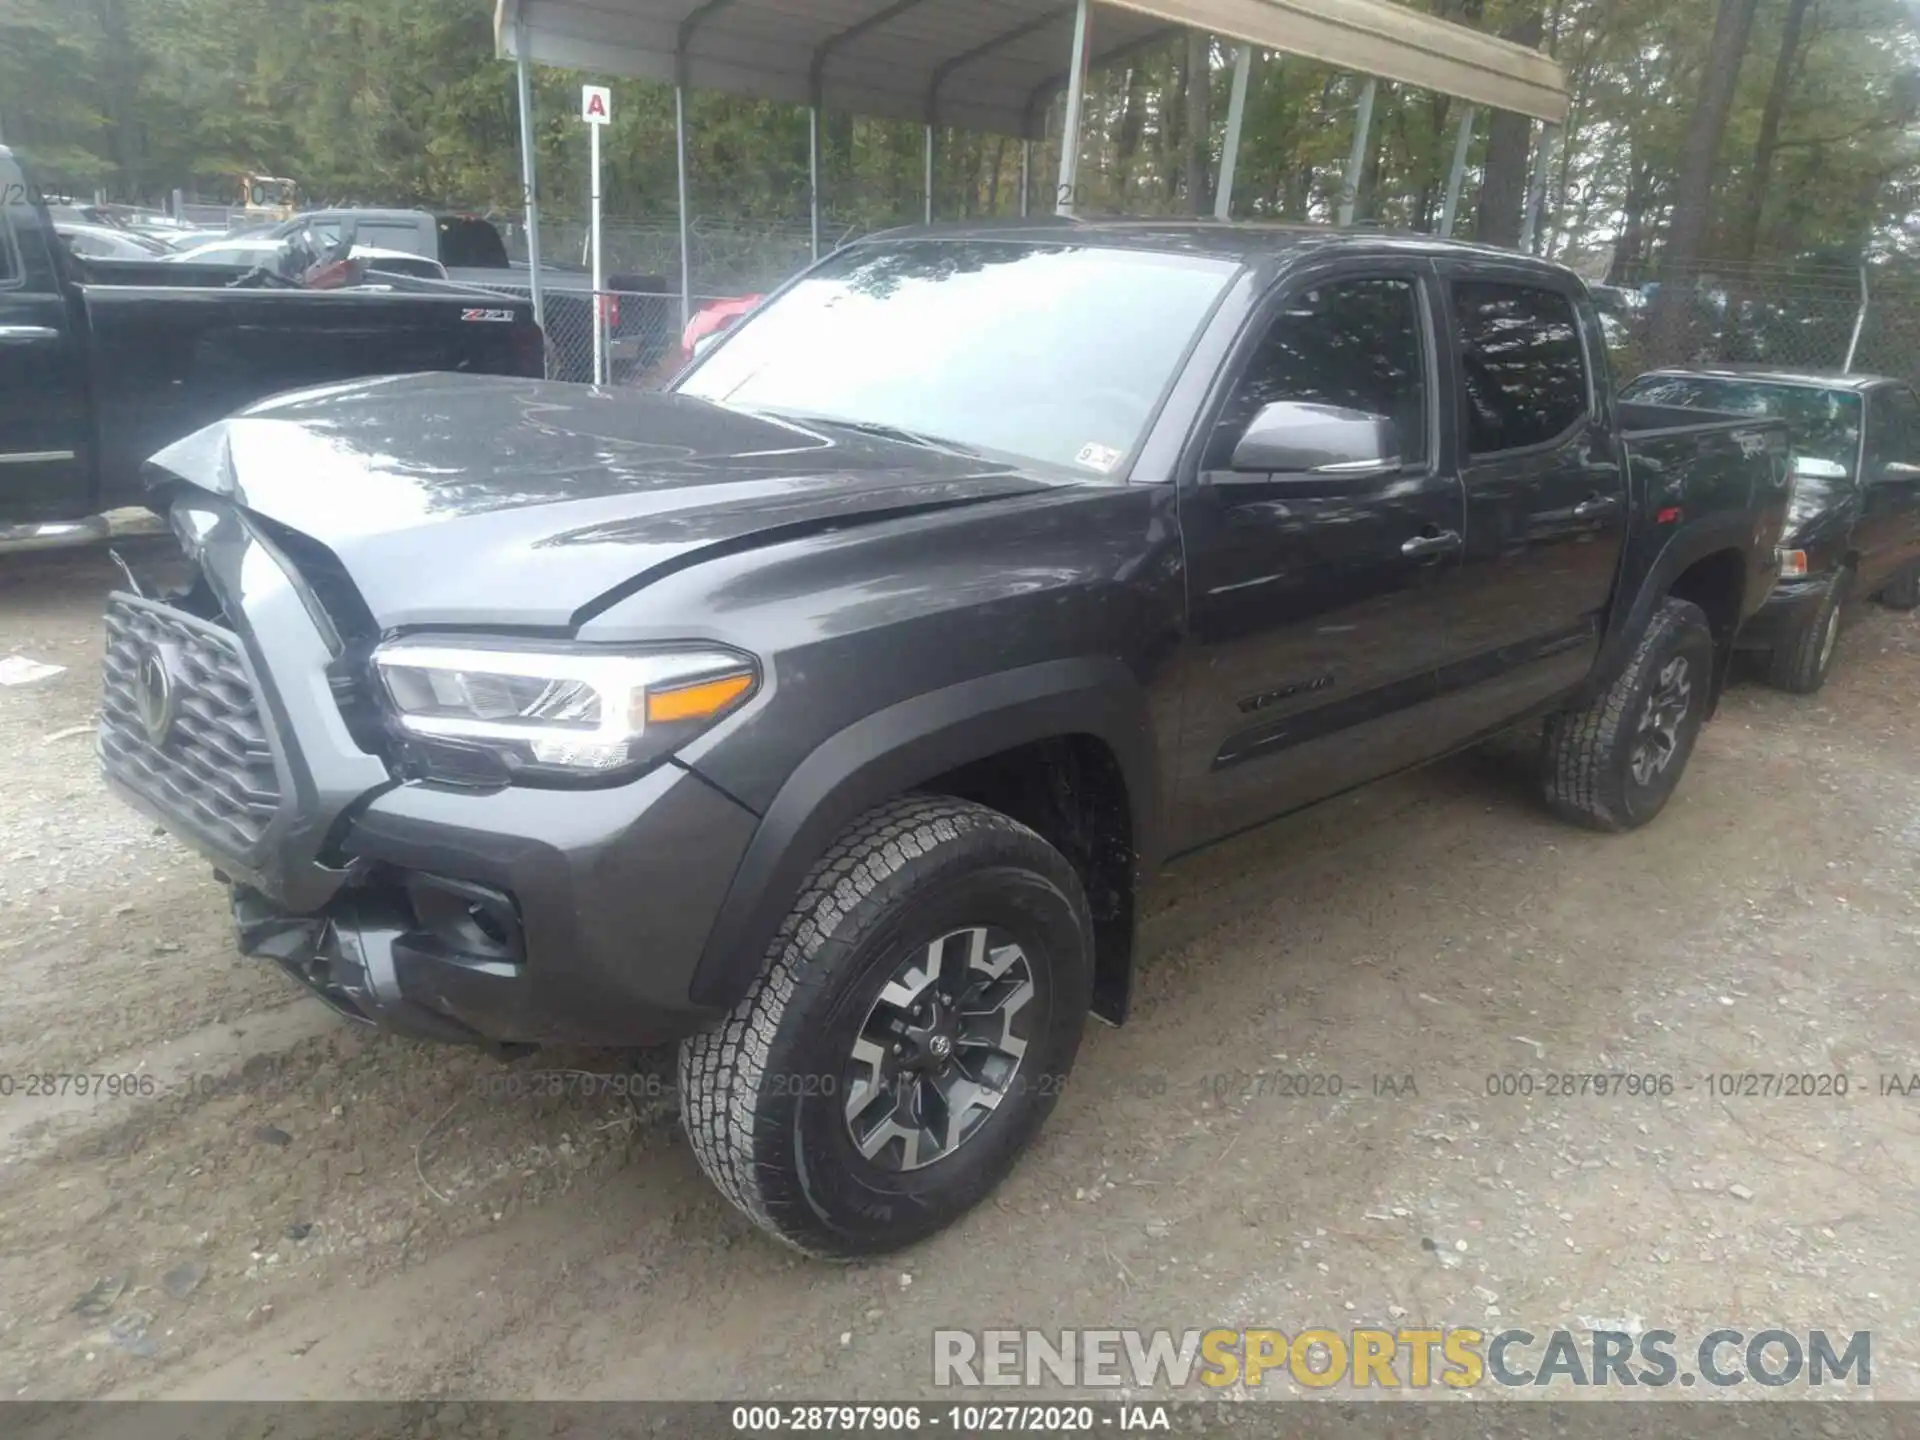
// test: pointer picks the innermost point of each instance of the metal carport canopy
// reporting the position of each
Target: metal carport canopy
(995, 65)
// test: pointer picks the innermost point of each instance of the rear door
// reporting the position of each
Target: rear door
(1545, 489)
(1312, 597)
(1888, 534)
(44, 459)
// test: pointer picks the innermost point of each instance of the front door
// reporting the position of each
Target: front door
(1312, 596)
(1546, 498)
(1888, 533)
(43, 386)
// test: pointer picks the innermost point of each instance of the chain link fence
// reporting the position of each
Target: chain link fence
(640, 260)
(1795, 317)
(1804, 316)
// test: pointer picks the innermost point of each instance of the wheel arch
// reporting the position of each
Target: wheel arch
(1708, 567)
(1085, 722)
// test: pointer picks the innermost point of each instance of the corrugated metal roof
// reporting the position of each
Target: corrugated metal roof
(995, 65)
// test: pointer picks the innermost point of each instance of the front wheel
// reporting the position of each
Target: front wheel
(1802, 660)
(1613, 764)
(920, 1009)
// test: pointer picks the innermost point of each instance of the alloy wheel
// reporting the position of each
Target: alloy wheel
(1658, 738)
(940, 1048)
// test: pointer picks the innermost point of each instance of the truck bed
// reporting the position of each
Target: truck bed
(1693, 470)
(174, 347)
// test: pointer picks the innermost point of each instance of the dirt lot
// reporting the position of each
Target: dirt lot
(301, 1208)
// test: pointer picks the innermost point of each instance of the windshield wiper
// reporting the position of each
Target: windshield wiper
(880, 431)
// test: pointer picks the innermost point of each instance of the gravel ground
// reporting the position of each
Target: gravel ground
(299, 1208)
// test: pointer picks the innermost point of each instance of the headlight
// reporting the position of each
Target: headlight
(481, 710)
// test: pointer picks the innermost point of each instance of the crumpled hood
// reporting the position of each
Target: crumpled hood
(482, 500)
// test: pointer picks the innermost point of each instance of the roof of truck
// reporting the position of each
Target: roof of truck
(1250, 242)
(1773, 375)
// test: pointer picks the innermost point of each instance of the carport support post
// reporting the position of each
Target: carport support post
(524, 78)
(1357, 157)
(929, 172)
(599, 273)
(813, 174)
(1456, 177)
(1230, 148)
(680, 157)
(1537, 189)
(1065, 196)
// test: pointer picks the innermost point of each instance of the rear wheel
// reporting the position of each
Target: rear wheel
(920, 1010)
(1803, 658)
(1903, 591)
(1613, 764)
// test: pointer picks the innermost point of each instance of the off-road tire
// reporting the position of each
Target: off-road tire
(1587, 755)
(1903, 591)
(1802, 660)
(761, 1095)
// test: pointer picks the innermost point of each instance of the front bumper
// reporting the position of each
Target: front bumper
(1789, 606)
(506, 916)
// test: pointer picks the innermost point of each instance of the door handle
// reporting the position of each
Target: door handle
(1595, 506)
(25, 334)
(1420, 547)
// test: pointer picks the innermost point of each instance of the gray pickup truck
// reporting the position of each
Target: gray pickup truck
(831, 712)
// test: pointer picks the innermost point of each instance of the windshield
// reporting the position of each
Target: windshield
(1050, 352)
(1825, 423)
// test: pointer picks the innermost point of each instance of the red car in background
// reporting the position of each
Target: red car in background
(710, 320)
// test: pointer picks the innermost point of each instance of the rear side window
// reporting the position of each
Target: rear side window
(470, 243)
(1521, 365)
(387, 235)
(1895, 427)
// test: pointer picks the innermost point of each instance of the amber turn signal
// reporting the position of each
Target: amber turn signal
(696, 702)
(1793, 564)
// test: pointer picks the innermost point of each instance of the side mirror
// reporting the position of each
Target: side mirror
(1301, 438)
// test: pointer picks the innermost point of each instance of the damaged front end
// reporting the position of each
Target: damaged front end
(353, 954)
(225, 717)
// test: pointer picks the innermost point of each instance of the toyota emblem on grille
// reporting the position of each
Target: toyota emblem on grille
(154, 694)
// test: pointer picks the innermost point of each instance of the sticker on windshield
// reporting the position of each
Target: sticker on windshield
(1098, 457)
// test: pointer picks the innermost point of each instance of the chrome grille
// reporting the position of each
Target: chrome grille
(199, 750)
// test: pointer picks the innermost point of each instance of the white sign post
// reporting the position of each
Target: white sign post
(596, 109)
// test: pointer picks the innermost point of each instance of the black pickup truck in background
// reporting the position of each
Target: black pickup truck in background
(833, 718)
(102, 362)
(640, 323)
(1853, 530)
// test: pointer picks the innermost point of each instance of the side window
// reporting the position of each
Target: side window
(1896, 426)
(1353, 343)
(10, 273)
(1520, 363)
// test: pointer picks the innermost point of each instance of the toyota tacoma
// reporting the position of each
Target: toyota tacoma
(829, 712)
